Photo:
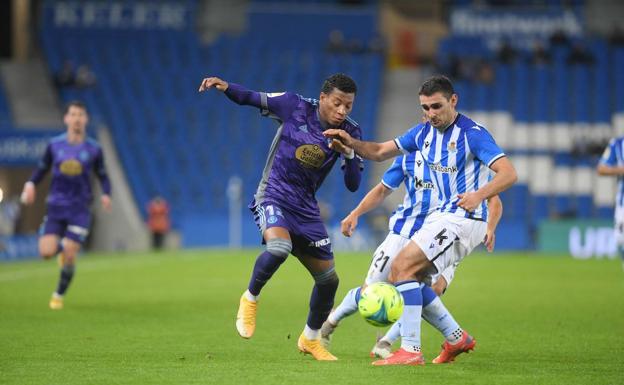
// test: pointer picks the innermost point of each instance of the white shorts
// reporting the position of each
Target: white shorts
(385, 254)
(446, 238)
(619, 225)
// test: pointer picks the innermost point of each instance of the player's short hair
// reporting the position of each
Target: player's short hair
(75, 103)
(341, 82)
(437, 83)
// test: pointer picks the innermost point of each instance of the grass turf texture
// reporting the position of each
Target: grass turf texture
(168, 318)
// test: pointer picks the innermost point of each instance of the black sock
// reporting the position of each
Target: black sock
(67, 273)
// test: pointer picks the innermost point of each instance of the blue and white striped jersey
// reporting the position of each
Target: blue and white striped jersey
(420, 197)
(613, 156)
(458, 157)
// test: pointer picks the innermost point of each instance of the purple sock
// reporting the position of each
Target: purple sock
(266, 265)
(322, 298)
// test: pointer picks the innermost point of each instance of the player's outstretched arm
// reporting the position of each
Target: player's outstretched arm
(495, 208)
(371, 201)
(368, 150)
(505, 177)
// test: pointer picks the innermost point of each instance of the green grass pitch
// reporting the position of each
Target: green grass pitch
(168, 318)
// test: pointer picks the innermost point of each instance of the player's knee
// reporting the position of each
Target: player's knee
(327, 278)
(279, 247)
(47, 250)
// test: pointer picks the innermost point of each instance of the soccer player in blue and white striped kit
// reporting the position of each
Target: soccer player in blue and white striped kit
(458, 152)
(612, 164)
(421, 199)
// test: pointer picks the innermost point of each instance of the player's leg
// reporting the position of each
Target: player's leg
(321, 302)
(619, 232)
(274, 227)
(377, 272)
(75, 235)
(50, 233)
(408, 270)
(457, 340)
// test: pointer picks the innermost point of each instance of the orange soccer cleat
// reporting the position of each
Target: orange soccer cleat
(450, 351)
(315, 348)
(246, 317)
(402, 357)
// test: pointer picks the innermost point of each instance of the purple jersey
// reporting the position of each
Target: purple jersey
(299, 158)
(71, 165)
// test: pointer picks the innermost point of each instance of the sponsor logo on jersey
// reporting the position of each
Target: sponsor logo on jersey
(310, 156)
(421, 184)
(71, 167)
(445, 169)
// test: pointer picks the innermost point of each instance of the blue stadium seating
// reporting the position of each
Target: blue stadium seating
(183, 145)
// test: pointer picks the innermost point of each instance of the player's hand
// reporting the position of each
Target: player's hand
(469, 201)
(106, 203)
(489, 240)
(337, 146)
(28, 193)
(348, 225)
(340, 135)
(217, 83)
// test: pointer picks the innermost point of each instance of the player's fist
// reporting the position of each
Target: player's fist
(469, 201)
(215, 82)
(348, 225)
(28, 193)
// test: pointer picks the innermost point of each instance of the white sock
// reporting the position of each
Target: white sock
(440, 318)
(347, 307)
(393, 333)
(56, 295)
(250, 296)
(311, 334)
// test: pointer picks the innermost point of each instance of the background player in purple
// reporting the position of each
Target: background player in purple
(71, 156)
(285, 206)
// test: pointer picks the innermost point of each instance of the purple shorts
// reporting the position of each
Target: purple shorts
(67, 222)
(308, 236)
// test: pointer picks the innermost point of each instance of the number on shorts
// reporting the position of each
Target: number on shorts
(382, 257)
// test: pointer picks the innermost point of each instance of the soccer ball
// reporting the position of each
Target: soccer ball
(381, 304)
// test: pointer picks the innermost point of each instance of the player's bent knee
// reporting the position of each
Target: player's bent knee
(279, 247)
(328, 277)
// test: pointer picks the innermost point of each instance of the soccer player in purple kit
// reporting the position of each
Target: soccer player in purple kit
(71, 156)
(284, 205)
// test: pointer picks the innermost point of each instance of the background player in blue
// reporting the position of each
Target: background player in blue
(71, 157)
(420, 200)
(285, 206)
(458, 152)
(612, 164)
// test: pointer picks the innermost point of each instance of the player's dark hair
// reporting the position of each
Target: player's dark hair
(341, 82)
(437, 83)
(75, 103)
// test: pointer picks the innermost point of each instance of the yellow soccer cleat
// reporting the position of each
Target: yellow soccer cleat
(56, 302)
(246, 317)
(315, 348)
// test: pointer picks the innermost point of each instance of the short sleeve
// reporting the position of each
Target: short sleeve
(408, 142)
(609, 157)
(394, 176)
(483, 145)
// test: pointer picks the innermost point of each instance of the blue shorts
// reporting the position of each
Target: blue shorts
(309, 236)
(67, 222)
